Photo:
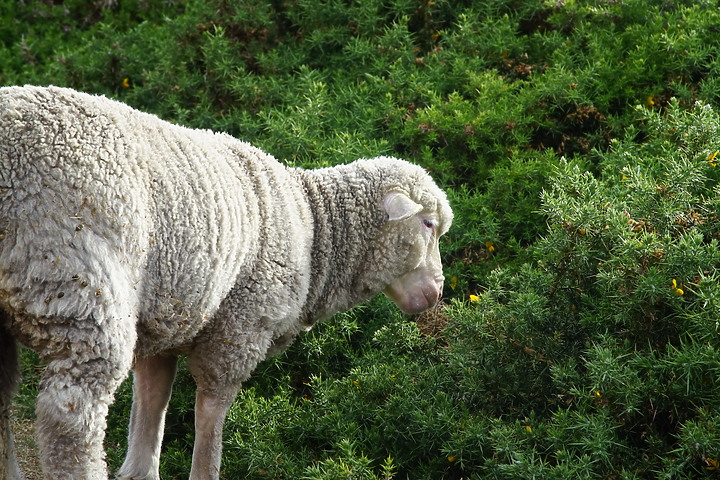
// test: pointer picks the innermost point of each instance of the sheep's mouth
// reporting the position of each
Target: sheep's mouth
(415, 301)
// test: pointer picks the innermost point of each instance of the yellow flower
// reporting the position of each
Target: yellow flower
(528, 428)
(451, 459)
(650, 101)
(453, 283)
(126, 82)
(674, 283)
(474, 298)
(581, 231)
(680, 291)
(598, 393)
(490, 247)
(711, 158)
(712, 464)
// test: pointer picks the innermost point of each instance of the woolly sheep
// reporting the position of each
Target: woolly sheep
(126, 241)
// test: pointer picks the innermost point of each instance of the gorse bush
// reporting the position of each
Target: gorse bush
(578, 142)
(615, 319)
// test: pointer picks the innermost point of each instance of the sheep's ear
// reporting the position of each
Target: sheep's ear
(399, 206)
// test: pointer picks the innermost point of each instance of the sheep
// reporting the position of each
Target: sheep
(127, 241)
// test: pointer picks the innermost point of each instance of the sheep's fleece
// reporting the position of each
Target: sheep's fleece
(126, 241)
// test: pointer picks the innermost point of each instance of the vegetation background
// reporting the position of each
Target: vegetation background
(577, 139)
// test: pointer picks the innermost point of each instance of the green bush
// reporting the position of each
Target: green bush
(606, 344)
(578, 144)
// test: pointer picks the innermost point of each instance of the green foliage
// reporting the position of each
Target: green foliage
(620, 354)
(578, 144)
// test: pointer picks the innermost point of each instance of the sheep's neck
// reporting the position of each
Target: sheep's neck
(339, 239)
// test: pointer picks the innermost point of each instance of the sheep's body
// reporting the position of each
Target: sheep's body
(183, 231)
(126, 239)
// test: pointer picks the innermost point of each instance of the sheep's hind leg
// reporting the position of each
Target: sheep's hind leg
(86, 367)
(152, 387)
(9, 377)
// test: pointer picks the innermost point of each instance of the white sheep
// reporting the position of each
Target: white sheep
(126, 241)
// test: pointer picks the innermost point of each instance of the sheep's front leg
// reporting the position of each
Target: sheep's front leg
(152, 387)
(219, 364)
(210, 412)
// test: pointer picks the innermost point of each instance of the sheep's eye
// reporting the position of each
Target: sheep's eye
(429, 223)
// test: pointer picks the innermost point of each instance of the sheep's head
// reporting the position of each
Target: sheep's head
(400, 253)
(413, 229)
